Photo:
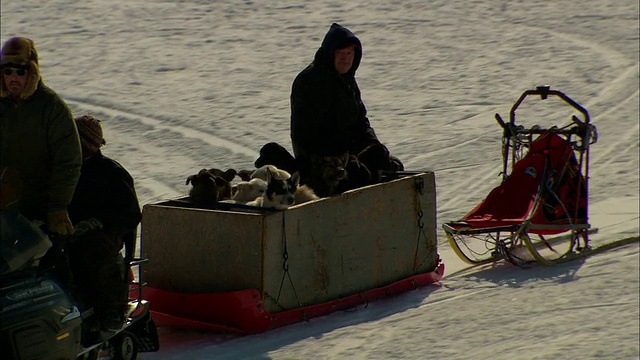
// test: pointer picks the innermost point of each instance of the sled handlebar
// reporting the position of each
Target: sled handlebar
(582, 128)
(544, 92)
(512, 129)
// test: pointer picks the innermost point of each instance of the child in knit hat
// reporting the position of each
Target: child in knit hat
(106, 214)
(91, 137)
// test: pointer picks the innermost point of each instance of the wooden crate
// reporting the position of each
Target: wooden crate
(309, 254)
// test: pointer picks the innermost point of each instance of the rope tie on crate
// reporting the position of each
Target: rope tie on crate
(419, 187)
(285, 264)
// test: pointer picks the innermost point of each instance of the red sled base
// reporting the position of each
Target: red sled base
(242, 312)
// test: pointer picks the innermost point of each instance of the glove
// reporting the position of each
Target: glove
(85, 226)
(58, 222)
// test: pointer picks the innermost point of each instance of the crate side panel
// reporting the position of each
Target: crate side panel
(195, 250)
(349, 243)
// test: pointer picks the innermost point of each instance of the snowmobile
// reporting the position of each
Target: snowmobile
(41, 317)
(539, 211)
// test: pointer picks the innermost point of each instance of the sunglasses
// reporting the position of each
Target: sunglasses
(19, 72)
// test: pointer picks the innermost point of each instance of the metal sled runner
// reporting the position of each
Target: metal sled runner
(539, 212)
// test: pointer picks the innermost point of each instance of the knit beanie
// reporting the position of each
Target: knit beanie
(90, 132)
(20, 52)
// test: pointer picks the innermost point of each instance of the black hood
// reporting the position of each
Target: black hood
(338, 37)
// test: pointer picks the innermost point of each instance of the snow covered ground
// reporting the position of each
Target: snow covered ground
(184, 85)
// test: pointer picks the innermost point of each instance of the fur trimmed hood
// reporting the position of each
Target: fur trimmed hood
(21, 52)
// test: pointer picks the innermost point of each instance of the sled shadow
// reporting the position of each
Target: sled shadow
(507, 274)
(203, 344)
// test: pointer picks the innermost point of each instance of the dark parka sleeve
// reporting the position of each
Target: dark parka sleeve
(64, 149)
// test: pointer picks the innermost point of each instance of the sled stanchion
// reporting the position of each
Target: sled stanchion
(500, 121)
(506, 139)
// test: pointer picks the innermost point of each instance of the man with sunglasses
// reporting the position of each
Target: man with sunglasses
(38, 138)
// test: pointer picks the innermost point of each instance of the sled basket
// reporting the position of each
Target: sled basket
(544, 192)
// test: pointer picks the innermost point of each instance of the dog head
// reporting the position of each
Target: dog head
(228, 174)
(275, 154)
(250, 190)
(224, 181)
(244, 175)
(205, 186)
(280, 192)
(331, 169)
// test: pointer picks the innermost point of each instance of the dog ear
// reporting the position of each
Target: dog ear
(268, 175)
(194, 178)
(244, 175)
(229, 174)
(260, 162)
(344, 159)
(295, 179)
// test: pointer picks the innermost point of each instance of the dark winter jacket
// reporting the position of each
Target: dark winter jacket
(106, 192)
(38, 137)
(328, 116)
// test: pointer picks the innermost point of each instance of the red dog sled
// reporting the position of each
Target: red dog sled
(541, 204)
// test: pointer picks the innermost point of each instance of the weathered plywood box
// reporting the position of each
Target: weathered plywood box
(309, 254)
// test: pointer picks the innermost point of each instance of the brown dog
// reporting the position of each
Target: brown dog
(205, 187)
(224, 187)
(327, 173)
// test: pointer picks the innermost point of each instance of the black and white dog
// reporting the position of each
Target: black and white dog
(280, 192)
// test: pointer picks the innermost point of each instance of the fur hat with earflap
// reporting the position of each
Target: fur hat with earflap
(20, 52)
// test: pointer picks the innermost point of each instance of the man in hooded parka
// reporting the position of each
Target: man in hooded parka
(328, 116)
